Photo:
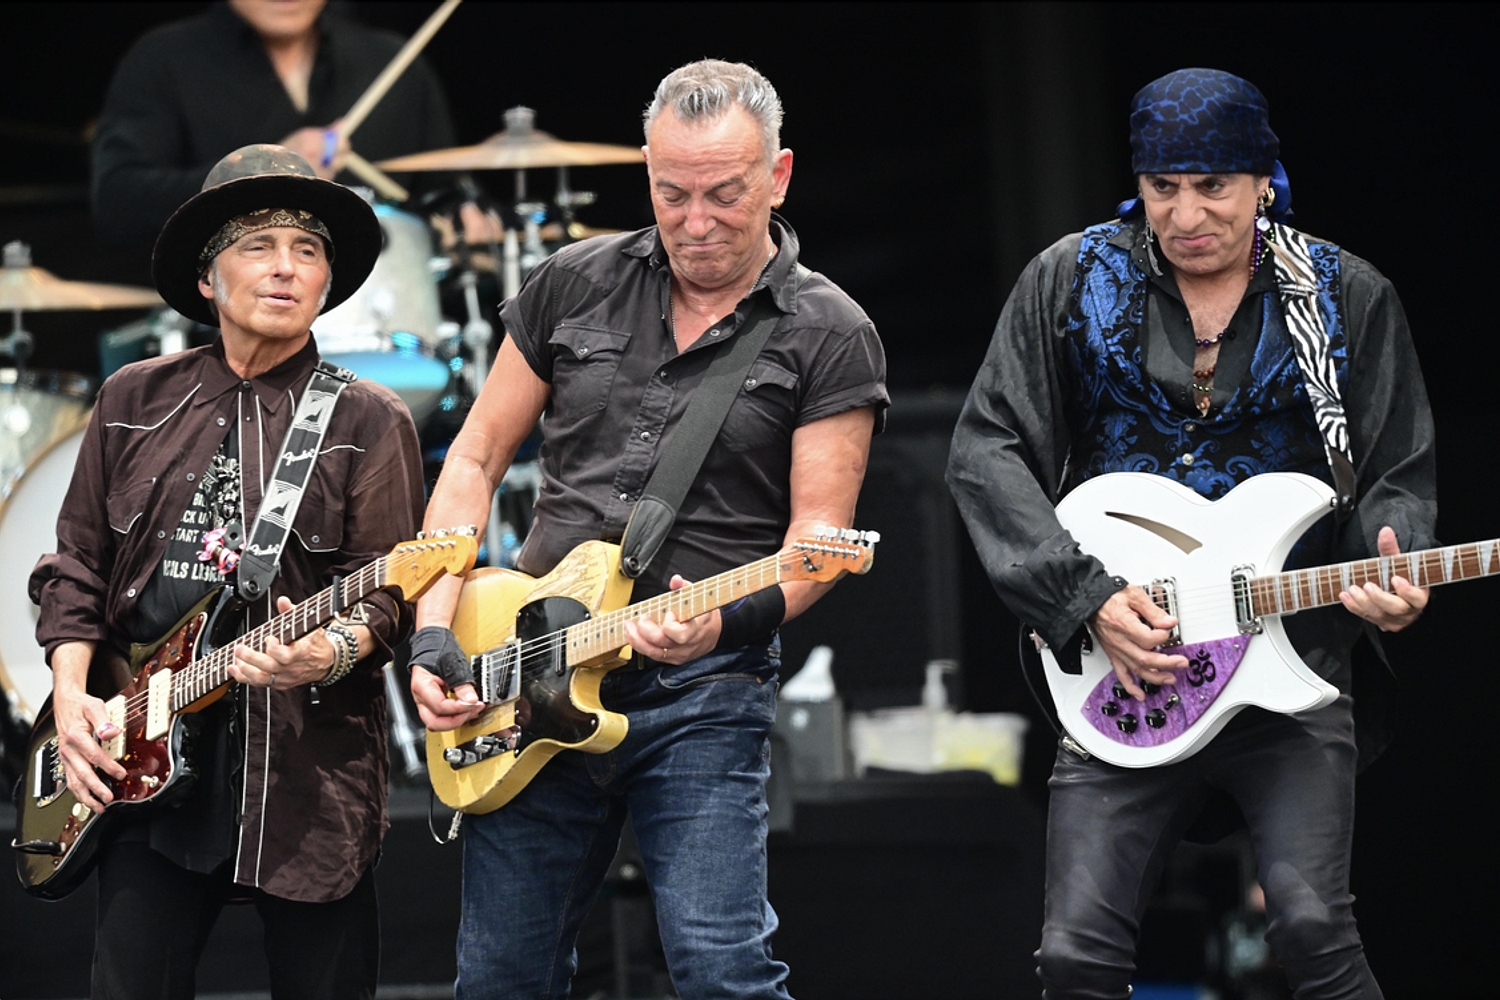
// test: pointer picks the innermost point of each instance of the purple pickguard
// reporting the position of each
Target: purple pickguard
(1211, 664)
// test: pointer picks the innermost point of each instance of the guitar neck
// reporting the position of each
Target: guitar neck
(1299, 590)
(606, 633)
(212, 671)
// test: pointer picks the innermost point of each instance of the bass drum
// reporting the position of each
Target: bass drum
(42, 417)
(390, 331)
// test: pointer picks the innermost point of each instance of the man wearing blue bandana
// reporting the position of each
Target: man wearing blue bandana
(1162, 342)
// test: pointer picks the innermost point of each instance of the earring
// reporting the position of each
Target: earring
(1266, 200)
(778, 202)
(1151, 250)
(1263, 234)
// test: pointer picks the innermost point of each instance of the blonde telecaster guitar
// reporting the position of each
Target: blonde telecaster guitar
(540, 647)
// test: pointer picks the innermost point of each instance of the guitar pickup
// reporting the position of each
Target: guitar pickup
(497, 673)
(48, 780)
(482, 748)
(1163, 594)
(1245, 618)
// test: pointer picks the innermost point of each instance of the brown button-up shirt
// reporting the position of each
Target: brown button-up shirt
(312, 800)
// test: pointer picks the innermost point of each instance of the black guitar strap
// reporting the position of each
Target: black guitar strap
(299, 453)
(656, 511)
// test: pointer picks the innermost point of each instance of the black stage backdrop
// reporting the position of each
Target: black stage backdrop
(939, 146)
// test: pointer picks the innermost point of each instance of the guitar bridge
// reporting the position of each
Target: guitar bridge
(482, 748)
(1245, 618)
(1163, 594)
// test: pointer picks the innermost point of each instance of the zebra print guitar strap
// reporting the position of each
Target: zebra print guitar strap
(1297, 283)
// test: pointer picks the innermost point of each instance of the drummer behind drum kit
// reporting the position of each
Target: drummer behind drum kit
(392, 331)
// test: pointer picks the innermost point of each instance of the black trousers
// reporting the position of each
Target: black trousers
(155, 917)
(1111, 829)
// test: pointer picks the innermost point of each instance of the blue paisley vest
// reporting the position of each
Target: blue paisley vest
(1122, 421)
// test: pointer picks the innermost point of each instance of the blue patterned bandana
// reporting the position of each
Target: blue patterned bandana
(1201, 121)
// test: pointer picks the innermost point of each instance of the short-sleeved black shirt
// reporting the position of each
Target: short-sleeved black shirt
(592, 322)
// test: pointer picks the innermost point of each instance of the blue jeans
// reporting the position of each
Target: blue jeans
(692, 775)
(1110, 831)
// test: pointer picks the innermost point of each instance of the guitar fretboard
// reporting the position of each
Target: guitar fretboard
(211, 672)
(606, 633)
(1299, 590)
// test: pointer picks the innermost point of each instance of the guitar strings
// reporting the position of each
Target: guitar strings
(1291, 591)
(537, 654)
(211, 672)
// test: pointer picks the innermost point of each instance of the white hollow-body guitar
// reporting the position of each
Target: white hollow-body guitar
(1216, 567)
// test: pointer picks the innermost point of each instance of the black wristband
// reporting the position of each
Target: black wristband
(751, 619)
(436, 649)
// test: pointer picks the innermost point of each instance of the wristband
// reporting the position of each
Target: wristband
(436, 649)
(330, 146)
(751, 619)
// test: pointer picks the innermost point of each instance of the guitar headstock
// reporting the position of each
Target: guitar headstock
(416, 565)
(830, 553)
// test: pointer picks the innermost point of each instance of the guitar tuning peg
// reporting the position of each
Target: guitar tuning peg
(869, 537)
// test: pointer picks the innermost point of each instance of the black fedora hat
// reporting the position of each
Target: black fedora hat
(247, 180)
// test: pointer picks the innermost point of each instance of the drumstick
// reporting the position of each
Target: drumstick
(388, 76)
(374, 176)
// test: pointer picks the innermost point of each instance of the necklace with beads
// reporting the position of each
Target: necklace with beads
(1203, 378)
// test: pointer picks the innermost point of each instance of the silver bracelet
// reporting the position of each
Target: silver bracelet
(346, 651)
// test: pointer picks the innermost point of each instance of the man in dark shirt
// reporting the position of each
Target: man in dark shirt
(289, 806)
(243, 72)
(611, 338)
(1200, 339)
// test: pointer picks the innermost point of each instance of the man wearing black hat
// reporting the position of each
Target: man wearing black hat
(289, 806)
(1201, 339)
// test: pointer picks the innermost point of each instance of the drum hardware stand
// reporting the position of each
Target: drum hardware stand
(532, 214)
(567, 199)
(171, 330)
(478, 335)
(410, 737)
(18, 343)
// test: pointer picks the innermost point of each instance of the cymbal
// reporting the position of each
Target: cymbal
(502, 151)
(34, 288)
(517, 147)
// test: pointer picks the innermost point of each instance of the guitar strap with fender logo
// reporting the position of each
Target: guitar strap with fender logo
(283, 496)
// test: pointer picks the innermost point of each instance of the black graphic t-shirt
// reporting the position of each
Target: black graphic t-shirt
(198, 832)
(182, 578)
